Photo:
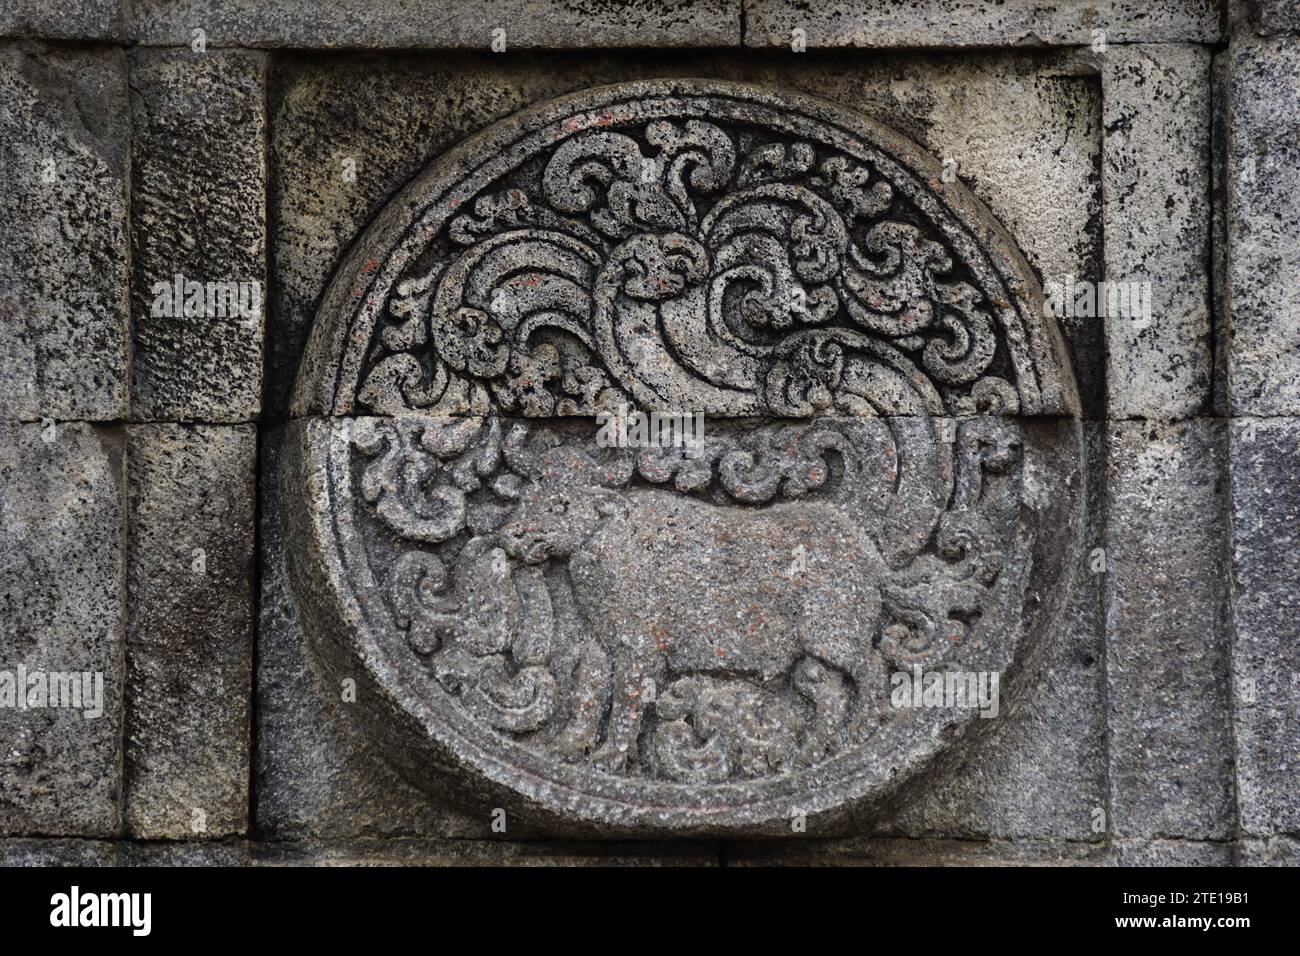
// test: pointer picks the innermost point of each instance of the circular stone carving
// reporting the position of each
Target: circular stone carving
(697, 639)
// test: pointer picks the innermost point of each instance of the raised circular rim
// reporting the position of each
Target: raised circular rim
(327, 382)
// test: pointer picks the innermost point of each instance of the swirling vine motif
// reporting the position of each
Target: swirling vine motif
(690, 264)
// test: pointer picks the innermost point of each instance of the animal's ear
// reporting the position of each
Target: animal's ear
(610, 504)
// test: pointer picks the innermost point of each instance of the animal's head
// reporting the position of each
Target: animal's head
(991, 445)
(566, 495)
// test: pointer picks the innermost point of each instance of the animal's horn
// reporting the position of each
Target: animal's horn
(923, 488)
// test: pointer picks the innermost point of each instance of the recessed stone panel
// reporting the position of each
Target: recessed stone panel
(881, 242)
(1155, 182)
(708, 637)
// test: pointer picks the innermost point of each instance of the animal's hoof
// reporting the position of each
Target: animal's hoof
(813, 752)
(862, 727)
(809, 676)
(571, 748)
(610, 759)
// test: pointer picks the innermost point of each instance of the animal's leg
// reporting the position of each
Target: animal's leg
(590, 700)
(870, 680)
(625, 712)
(823, 686)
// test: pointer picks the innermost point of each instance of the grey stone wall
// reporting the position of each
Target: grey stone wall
(141, 527)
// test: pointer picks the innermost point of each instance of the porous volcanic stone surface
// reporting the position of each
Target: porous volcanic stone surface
(64, 330)
(1155, 183)
(667, 642)
(317, 777)
(198, 222)
(1167, 631)
(1262, 182)
(455, 24)
(1265, 456)
(422, 616)
(190, 633)
(955, 23)
(64, 19)
(62, 610)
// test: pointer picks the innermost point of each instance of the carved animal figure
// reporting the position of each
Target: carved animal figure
(667, 582)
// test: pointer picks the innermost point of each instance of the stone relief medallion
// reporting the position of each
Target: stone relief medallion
(639, 637)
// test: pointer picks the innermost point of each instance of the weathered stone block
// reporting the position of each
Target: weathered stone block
(189, 643)
(1263, 226)
(576, 648)
(62, 555)
(869, 23)
(233, 853)
(1219, 231)
(1172, 853)
(1155, 180)
(64, 334)
(315, 777)
(198, 234)
(1276, 16)
(1273, 851)
(1265, 466)
(1166, 635)
(64, 19)
(62, 853)
(460, 24)
(503, 852)
(912, 852)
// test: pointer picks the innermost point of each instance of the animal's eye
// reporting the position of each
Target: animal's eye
(560, 507)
